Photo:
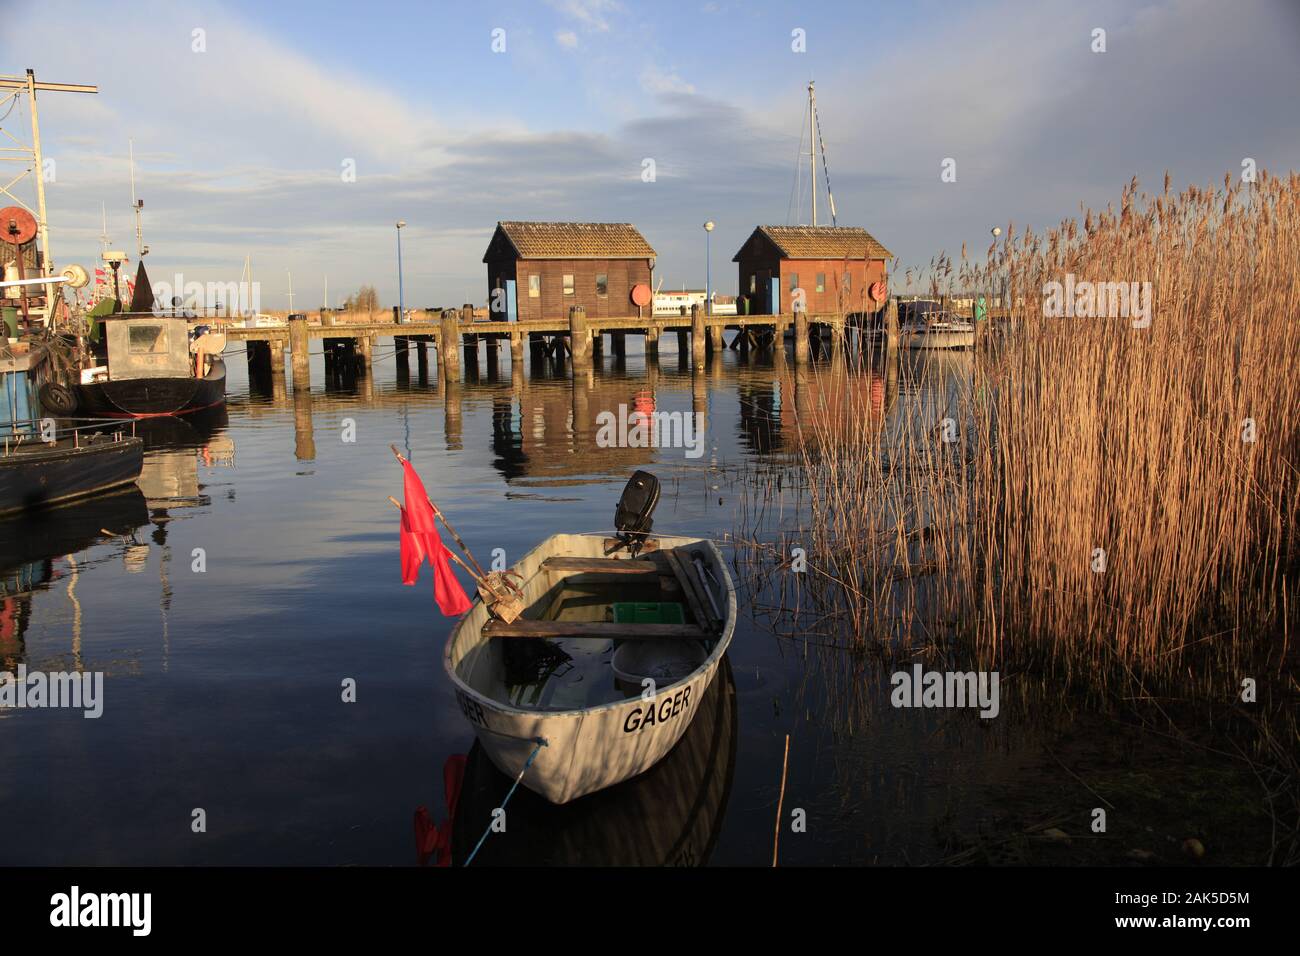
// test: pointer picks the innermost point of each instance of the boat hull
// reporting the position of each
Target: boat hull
(592, 748)
(939, 340)
(139, 397)
(41, 476)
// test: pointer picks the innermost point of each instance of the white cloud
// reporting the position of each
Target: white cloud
(567, 39)
(590, 14)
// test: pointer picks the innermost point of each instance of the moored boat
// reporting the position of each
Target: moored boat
(78, 463)
(582, 683)
(927, 325)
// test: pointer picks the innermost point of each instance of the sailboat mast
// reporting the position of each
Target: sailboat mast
(812, 152)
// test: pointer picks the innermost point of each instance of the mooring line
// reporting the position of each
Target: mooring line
(541, 742)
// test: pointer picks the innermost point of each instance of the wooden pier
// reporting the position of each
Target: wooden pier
(350, 346)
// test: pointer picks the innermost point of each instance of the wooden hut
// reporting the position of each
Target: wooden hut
(835, 267)
(538, 270)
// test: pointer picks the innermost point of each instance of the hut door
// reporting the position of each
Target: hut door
(774, 296)
(512, 306)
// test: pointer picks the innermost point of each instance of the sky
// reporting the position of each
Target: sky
(247, 117)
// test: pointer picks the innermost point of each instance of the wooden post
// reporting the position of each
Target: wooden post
(277, 356)
(298, 339)
(516, 350)
(801, 336)
(715, 337)
(618, 343)
(597, 344)
(652, 343)
(448, 345)
(891, 325)
(697, 335)
(366, 356)
(470, 340)
(579, 337)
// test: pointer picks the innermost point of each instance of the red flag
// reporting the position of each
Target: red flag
(420, 540)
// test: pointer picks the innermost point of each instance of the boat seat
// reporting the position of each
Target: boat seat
(600, 565)
(596, 629)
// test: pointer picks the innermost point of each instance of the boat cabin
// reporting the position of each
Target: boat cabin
(148, 346)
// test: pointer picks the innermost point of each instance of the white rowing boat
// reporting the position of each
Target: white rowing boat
(593, 702)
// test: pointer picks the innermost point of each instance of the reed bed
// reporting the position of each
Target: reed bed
(1095, 498)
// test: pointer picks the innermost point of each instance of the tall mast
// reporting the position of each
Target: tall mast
(812, 152)
(103, 236)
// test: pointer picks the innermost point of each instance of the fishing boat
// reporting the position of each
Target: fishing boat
(927, 325)
(602, 655)
(145, 362)
(77, 463)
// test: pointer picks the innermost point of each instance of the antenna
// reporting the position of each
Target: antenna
(137, 205)
(290, 290)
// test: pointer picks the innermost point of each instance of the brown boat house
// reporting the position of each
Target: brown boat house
(539, 270)
(835, 267)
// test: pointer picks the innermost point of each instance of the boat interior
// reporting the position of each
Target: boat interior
(597, 621)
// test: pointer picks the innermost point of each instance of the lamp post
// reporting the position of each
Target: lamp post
(401, 302)
(708, 270)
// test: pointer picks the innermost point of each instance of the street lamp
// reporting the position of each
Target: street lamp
(708, 270)
(401, 302)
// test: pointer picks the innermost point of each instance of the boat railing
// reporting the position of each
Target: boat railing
(116, 426)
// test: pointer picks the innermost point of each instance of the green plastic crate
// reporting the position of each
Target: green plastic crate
(648, 612)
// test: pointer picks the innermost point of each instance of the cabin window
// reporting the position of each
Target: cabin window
(146, 340)
(568, 284)
(821, 282)
(534, 286)
(753, 284)
(794, 281)
(847, 287)
(602, 284)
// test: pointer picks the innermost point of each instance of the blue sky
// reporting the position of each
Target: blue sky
(239, 148)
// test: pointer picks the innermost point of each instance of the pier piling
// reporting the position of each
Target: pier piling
(697, 335)
(298, 349)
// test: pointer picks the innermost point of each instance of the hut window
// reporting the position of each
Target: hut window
(753, 283)
(821, 282)
(568, 284)
(847, 284)
(602, 283)
(146, 340)
(794, 281)
(534, 286)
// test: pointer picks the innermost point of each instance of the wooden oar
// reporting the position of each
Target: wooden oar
(447, 524)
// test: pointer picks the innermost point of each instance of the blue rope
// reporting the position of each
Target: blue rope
(527, 763)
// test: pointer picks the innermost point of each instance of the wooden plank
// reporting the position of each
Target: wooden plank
(600, 629)
(684, 582)
(600, 565)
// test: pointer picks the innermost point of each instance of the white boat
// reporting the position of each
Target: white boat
(594, 701)
(937, 330)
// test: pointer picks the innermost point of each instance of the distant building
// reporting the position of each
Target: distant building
(835, 267)
(538, 270)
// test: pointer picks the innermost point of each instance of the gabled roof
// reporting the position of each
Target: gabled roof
(821, 242)
(573, 240)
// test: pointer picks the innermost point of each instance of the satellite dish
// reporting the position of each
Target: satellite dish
(17, 225)
(75, 277)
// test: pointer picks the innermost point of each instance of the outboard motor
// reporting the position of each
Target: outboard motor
(633, 516)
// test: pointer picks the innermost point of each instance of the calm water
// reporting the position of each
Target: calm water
(223, 686)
